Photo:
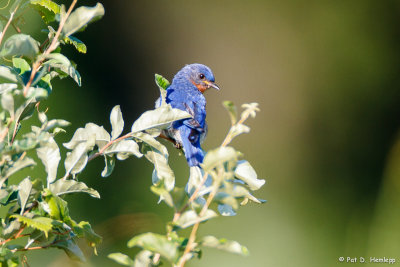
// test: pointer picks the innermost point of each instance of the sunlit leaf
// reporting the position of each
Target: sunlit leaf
(62, 63)
(121, 259)
(101, 136)
(6, 73)
(163, 193)
(144, 259)
(77, 159)
(156, 243)
(245, 172)
(24, 190)
(47, 9)
(124, 146)
(20, 45)
(49, 154)
(158, 118)
(190, 217)
(218, 156)
(117, 122)
(80, 17)
(43, 224)
(223, 244)
(230, 107)
(78, 44)
(84, 230)
(226, 210)
(20, 65)
(61, 187)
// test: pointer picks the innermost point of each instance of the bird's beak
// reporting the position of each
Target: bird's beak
(211, 84)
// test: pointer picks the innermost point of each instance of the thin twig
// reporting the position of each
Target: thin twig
(51, 48)
(8, 23)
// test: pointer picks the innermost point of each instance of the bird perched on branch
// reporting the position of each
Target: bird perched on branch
(186, 93)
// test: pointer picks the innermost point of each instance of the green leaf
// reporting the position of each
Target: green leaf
(81, 17)
(245, 172)
(223, 244)
(230, 107)
(8, 74)
(43, 224)
(61, 187)
(71, 249)
(163, 193)
(76, 160)
(20, 65)
(117, 122)
(121, 259)
(157, 244)
(84, 230)
(55, 206)
(47, 9)
(109, 166)
(219, 156)
(124, 146)
(190, 217)
(144, 259)
(83, 134)
(160, 117)
(162, 171)
(62, 63)
(49, 154)
(78, 44)
(20, 45)
(24, 190)
(161, 82)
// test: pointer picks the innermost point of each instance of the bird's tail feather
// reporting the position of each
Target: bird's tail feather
(193, 152)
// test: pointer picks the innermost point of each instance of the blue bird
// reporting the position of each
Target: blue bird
(186, 93)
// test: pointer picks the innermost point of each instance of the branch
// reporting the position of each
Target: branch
(8, 23)
(49, 49)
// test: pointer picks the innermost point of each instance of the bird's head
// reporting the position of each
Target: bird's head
(199, 75)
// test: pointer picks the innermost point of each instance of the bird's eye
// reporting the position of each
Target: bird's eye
(201, 76)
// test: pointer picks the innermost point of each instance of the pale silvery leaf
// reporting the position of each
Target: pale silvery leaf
(81, 17)
(245, 172)
(238, 129)
(194, 181)
(62, 63)
(124, 146)
(156, 243)
(218, 156)
(163, 193)
(226, 210)
(190, 217)
(61, 187)
(121, 259)
(24, 190)
(151, 141)
(20, 45)
(77, 159)
(117, 122)
(8, 74)
(7, 102)
(6, 87)
(18, 165)
(143, 259)
(102, 137)
(162, 171)
(160, 117)
(109, 166)
(223, 244)
(49, 154)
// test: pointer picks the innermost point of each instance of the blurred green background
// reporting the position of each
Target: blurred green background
(326, 76)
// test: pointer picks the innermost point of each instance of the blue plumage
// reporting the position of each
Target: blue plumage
(186, 93)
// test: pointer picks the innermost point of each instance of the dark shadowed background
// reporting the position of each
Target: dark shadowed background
(326, 76)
